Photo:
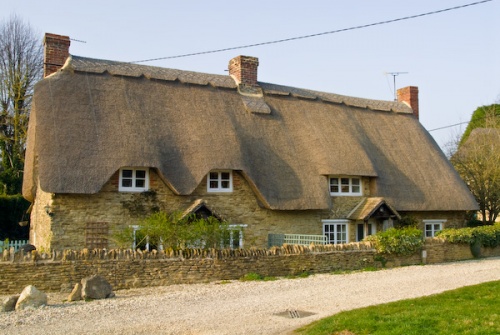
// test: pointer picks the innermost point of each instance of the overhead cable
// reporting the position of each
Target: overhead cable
(315, 35)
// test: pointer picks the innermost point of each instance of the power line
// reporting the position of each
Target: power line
(465, 122)
(315, 35)
(451, 125)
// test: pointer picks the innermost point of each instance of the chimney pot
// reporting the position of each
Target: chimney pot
(409, 95)
(56, 50)
(243, 69)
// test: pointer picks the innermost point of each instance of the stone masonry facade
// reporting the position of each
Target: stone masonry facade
(75, 221)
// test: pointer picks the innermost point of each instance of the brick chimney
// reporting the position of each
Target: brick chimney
(409, 95)
(56, 51)
(243, 69)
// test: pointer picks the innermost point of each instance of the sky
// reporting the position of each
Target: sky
(452, 56)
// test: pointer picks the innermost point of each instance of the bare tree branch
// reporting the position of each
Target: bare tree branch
(21, 66)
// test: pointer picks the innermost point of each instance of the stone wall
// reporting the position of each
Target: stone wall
(60, 271)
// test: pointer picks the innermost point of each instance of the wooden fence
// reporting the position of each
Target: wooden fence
(12, 244)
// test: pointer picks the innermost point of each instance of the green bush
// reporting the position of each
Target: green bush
(487, 236)
(461, 235)
(407, 221)
(177, 231)
(398, 241)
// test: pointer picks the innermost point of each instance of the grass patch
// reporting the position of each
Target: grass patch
(252, 276)
(470, 310)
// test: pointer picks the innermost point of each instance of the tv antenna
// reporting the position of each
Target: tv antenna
(394, 75)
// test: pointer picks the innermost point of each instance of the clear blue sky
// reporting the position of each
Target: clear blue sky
(453, 57)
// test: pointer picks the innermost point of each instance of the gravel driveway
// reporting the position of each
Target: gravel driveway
(272, 307)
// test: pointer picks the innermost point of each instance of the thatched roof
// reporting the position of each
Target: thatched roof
(93, 117)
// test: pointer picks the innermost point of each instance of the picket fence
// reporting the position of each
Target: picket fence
(12, 244)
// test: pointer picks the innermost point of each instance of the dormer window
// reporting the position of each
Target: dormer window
(220, 181)
(134, 180)
(345, 186)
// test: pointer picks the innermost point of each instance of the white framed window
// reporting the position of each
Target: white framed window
(347, 186)
(432, 227)
(336, 231)
(220, 181)
(134, 180)
(234, 237)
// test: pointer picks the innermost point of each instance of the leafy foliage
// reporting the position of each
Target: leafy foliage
(477, 160)
(487, 236)
(21, 65)
(142, 204)
(453, 235)
(178, 231)
(483, 117)
(398, 241)
(407, 221)
(478, 163)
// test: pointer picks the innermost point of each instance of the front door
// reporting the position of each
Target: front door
(365, 229)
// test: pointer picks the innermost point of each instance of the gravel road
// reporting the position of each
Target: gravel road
(271, 307)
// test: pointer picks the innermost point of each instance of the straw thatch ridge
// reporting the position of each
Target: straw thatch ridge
(93, 117)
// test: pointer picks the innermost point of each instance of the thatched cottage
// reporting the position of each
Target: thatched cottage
(273, 160)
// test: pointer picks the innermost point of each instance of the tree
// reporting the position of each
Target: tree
(477, 160)
(21, 66)
(483, 117)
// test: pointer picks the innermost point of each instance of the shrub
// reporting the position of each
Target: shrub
(461, 235)
(407, 221)
(487, 236)
(398, 241)
(177, 231)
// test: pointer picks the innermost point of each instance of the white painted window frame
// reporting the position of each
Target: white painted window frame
(431, 232)
(350, 192)
(134, 178)
(336, 223)
(236, 229)
(219, 180)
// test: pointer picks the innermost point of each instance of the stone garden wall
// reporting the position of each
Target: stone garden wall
(60, 271)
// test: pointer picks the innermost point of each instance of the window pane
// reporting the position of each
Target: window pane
(225, 175)
(140, 174)
(356, 185)
(214, 184)
(334, 185)
(344, 185)
(127, 173)
(225, 184)
(140, 183)
(214, 175)
(126, 182)
(437, 227)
